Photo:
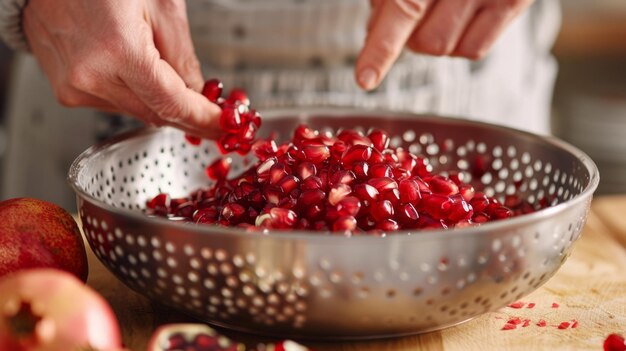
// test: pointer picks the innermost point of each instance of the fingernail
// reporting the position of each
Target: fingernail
(367, 78)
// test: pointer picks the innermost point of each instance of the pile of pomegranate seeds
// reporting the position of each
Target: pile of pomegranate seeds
(348, 183)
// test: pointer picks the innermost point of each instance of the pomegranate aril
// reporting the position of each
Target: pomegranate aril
(317, 153)
(218, 170)
(247, 132)
(387, 225)
(338, 149)
(342, 177)
(356, 153)
(230, 120)
(264, 149)
(233, 212)
(438, 206)
(349, 206)
(160, 201)
(380, 139)
(407, 214)
(381, 210)
(311, 197)
(193, 140)
(383, 183)
(361, 170)
(377, 157)
(409, 191)
(380, 170)
(345, 224)
(263, 170)
(310, 183)
(237, 95)
(366, 192)
(614, 342)
(176, 342)
(278, 171)
(185, 210)
(337, 193)
(280, 218)
(229, 143)
(351, 137)
(288, 183)
(303, 132)
(459, 210)
(212, 89)
(393, 195)
(305, 170)
(443, 186)
(206, 215)
(467, 191)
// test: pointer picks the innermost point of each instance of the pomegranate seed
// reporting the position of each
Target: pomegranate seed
(387, 225)
(311, 197)
(345, 224)
(555, 305)
(438, 206)
(349, 206)
(383, 183)
(176, 341)
(381, 170)
(614, 342)
(361, 170)
(459, 210)
(356, 153)
(218, 170)
(517, 305)
(317, 153)
(247, 133)
(376, 158)
(564, 325)
(351, 137)
(381, 210)
(305, 170)
(230, 120)
(193, 140)
(212, 89)
(159, 201)
(380, 139)
(229, 143)
(264, 149)
(273, 194)
(311, 183)
(407, 215)
(278, 171)
(393, 195)
(205, 215)
(233, 212)
(541, 323)
(263, 170)
(337, 193)
(288, 183)
(366, 192)
(409, 191)
(185, 210)
(342, 177)
(238, 96)
(277, 218)
(443, 186)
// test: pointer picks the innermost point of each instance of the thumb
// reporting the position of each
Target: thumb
(172, 39)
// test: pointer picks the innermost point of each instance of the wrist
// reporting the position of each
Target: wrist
(11, 29)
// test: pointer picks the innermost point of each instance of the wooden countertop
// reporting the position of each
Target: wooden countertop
(589, 289)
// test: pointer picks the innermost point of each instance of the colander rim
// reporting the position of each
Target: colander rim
(421, 234)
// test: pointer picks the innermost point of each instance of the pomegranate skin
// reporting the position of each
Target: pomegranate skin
(39, 234)
(68, 315)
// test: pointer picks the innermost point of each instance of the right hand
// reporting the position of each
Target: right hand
(133, 57)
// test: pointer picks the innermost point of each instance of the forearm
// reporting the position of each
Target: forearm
(11, 31)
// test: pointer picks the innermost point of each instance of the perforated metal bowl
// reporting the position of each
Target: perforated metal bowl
(303, 284)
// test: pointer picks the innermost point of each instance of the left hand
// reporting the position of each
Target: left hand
(465, 28)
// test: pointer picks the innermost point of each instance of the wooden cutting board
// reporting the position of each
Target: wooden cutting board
(590, 288)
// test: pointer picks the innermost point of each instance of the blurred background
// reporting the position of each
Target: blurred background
(590, 94)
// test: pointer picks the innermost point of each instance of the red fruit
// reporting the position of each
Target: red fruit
(337, 193)
(218, 170)
(380, 170)
(342, 177)
(361, 170)
(229, 143)
(409, 191)
(305, 170)
(459, 209)
(366, 192)
(233, 212)
(193, 140)
(212, 89)
(311, 197)
(344, 224)
(381, 210)
(190, 337)
(387, 225)
(264, 149)
(443, 186)
(614, 342)
(383, 183)
(349, 206)
(278, 171)
(238, 96)
(51, 310)
(39, 234)
(247, 132)
(437, 206)
(277, 218)
(407, 215)
(380, 139)
(356, 153)
(311, 183)
(288, 183)
(230, 120)
(316, 153)
(351, 137)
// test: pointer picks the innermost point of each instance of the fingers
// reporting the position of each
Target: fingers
(173, 40)
(440, 31)
(392, 28)
(164, 92)
(486, 27)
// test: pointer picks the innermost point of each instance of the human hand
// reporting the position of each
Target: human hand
(133, 57)
(466, 28)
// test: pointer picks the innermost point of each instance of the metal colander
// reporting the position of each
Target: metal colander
(303, 284)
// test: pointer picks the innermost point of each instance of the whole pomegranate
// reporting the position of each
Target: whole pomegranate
(39, 234)
(51, 310)
(200, 337)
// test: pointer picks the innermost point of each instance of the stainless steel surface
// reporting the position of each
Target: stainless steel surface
(302, 284)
